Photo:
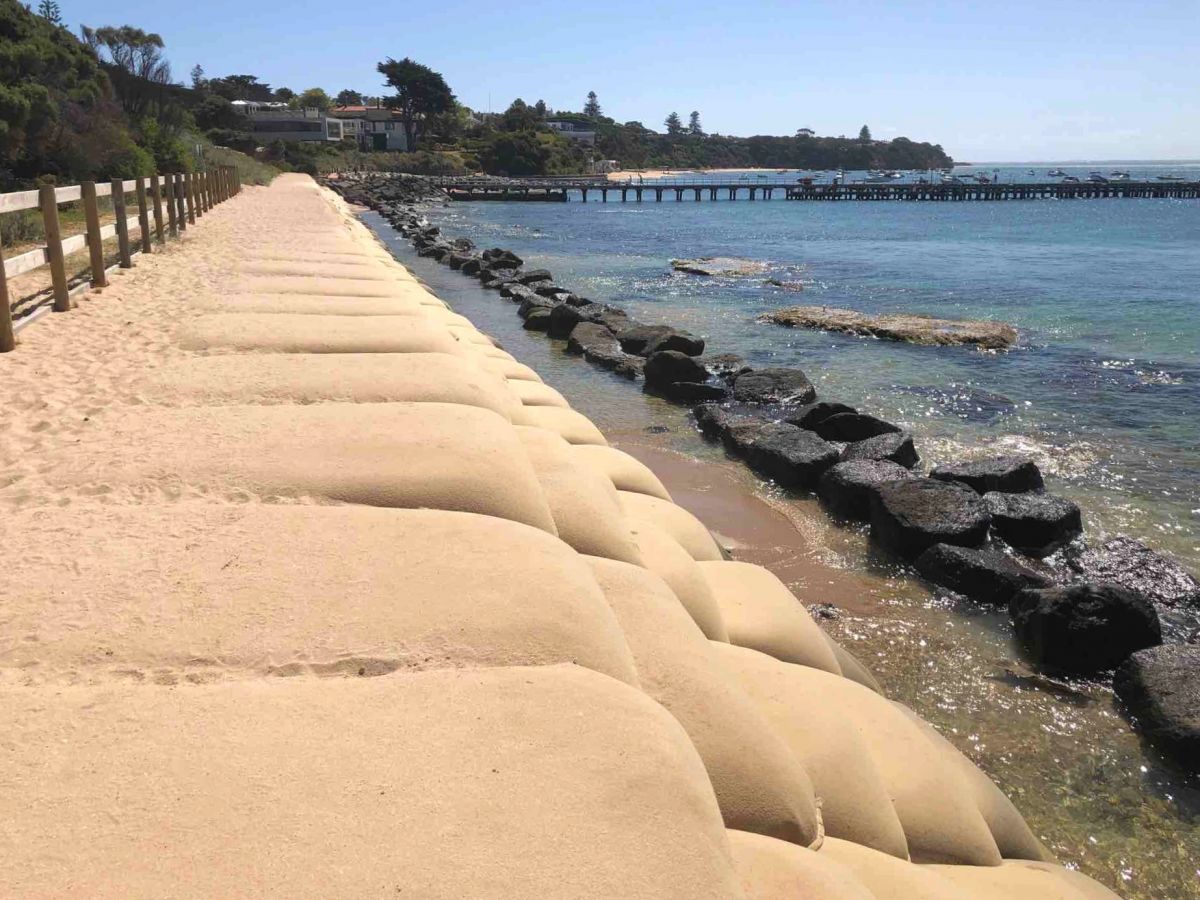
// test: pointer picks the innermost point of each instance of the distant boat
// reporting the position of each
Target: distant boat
(1057, 173)
(1119, 176)
(1070, 179)
(1097, 178)
(1031, 172)
(1169, 178)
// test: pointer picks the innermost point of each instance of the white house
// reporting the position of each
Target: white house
(275, 122)
(375, 127)
(576, 131)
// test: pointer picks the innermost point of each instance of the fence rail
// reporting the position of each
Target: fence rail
(174, 201)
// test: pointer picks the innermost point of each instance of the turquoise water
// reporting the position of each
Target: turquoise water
(1103, 387)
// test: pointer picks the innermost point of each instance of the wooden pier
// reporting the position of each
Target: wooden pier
(562, 190)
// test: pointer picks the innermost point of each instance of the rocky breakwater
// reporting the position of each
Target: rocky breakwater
(985, 529)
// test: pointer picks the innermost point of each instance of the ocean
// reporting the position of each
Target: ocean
(1103, 388)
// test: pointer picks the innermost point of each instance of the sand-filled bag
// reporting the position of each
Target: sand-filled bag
(287, 333)
(368, 269)
(852, 667)
(663, 556)
(202, 591)
(406, 455)
(761, 613)
(771, 869)
(238, 378)
(691, 533)
(1022, 881)
(574, 427)
(583, 502)
(534, 393)
(759, 784)
(625, 472)
(509, 369)
(934, 804)
(342, 287)
(545, 781)
(308, 304)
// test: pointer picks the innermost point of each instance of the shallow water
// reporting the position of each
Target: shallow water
(1103, 388)
(1068, 759)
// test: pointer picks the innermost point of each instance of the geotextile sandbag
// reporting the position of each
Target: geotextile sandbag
(689, 531)
(287, 333)
(663, 556)
(625, 472)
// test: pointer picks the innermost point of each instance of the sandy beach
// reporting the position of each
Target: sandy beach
(314, 590)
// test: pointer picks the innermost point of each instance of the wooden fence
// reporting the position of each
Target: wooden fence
(172, 202)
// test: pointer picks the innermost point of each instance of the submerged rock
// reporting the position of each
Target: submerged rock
(847, 489)
(814, 413)
(535, 275)
(895, 447)
(1009, 474)
(1035, 524)
(1160, 687)
(790, 455)
(986, 575)
(1083, 628)
(717, 421)
(1131, 564)
(778, 385)
(615, 361)
(724, 365)
(719, 265)
(682, 341)
(909, 517)
(538, 319)
(909, 328)
(588, 335)
(689, 392)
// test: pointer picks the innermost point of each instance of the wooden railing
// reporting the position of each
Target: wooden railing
(172, 201)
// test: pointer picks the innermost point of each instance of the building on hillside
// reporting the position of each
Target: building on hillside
(374, 127)
(269, 122)
(576, 131)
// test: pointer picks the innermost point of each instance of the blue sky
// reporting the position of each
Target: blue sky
(1019, 80)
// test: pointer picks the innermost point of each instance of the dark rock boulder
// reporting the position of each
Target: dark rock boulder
(615, 361)
(986, 575)
(1035, 524)
(689, 392)
(529, 304)
(670, 366)
(1160, 688)
(471, 267)
(615, 319)
(1130, 563)
(433, 251)
(716, 421)
(637, 338)
(790, 455)
(724, 365)
(506, 258)
(538, 319)
(495, 280)
(465, 245)
(1010, 474)
(847, 489)
(535, 275)
(812, 414)
(909, 517)
(676, 340)
(1083, 628)
(852, 426)
(590, 334)
(549, 290)
(456, 260)
(535, 285)
(894, 447)
(774, 386)
(514, 290)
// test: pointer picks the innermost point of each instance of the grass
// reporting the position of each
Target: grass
(250, 169)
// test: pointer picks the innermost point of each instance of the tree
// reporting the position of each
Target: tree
(804, 132)
(135, 51)
(49, 11)
(217, 113)
(198, 79)
(864, 134)
(694, 124)
(519, 117)
(540, 109)
(591, 108)
(348, 97)
(241, 87)
(674, 125)
(420, 93)
(284, 94)
(313, 98)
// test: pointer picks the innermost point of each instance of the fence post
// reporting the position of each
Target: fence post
(118, 198)
(180, 200)
(8, 340)
(58, 265)
(224, 182)
(210, 182)
(169, 196)
(91, 214)
(189, 187)
(202, 190)
(143, 214)
(156, 190)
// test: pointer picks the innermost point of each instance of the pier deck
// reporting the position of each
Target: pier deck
(565, 190)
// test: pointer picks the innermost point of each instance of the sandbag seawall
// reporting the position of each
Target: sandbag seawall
(313, 590)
